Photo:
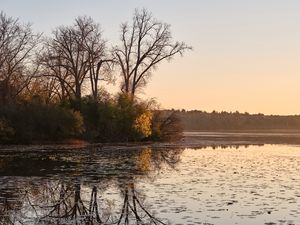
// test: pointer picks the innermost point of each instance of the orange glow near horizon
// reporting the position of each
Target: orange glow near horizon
(259, 85)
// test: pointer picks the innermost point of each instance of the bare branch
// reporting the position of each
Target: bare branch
(147, 44)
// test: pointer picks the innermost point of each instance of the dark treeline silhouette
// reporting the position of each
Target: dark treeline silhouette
(195, 120)
(53, 88)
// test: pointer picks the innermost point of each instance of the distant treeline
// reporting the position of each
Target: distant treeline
(205, 121)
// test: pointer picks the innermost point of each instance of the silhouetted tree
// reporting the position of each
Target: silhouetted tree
(166, 126)
(144, 44)
(77, 53)
(17, 42)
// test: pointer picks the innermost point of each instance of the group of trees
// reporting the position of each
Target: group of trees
(203, 121)
(69, 69)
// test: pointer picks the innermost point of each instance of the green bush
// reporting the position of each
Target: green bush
(38, 122)
(100, 120)
(118, 119)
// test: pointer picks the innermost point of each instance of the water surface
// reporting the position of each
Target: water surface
(151, 184)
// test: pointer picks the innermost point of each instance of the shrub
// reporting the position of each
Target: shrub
(166, 126)
(119, 119)
(6, 131)
(100, 119)
(38, 122)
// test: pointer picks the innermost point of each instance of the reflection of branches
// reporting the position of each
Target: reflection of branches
(78, 209)
(4, 215)
(70, 207)
(65, 209)
(93, 209)
(59, 205)
(156, 158)
(66, 202)
(136, 208)
(166, 157)
(222, 146)
(29, 202)
(9, 209)
(171, 157)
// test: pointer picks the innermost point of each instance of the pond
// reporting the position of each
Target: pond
(221, 182)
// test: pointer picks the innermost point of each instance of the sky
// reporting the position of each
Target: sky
(246, 54)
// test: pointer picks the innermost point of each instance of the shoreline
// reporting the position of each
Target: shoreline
(189, 140)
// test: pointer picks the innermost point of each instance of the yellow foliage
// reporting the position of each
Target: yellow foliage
(142, 124)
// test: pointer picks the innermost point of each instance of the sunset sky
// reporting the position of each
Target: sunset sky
(246, 53)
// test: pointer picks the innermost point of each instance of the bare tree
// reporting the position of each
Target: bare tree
(77, 53)
(53, 69)
(145, 43)
(44, 88)
(100, 64)
(17, 42)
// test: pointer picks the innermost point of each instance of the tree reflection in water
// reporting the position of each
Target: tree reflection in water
(133, 206)
(68, 207)
(76, 194)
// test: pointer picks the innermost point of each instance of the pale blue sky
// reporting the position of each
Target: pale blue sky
(246, 53)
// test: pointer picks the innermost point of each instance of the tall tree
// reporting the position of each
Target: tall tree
(17, 42)
(53, 69)
(144, 44)
(75, 54)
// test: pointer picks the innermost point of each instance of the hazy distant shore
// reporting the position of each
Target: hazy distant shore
(196, 120)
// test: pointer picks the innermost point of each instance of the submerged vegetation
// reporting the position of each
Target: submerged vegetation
(53, 88)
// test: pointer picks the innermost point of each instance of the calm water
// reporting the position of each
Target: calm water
(231, 184)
